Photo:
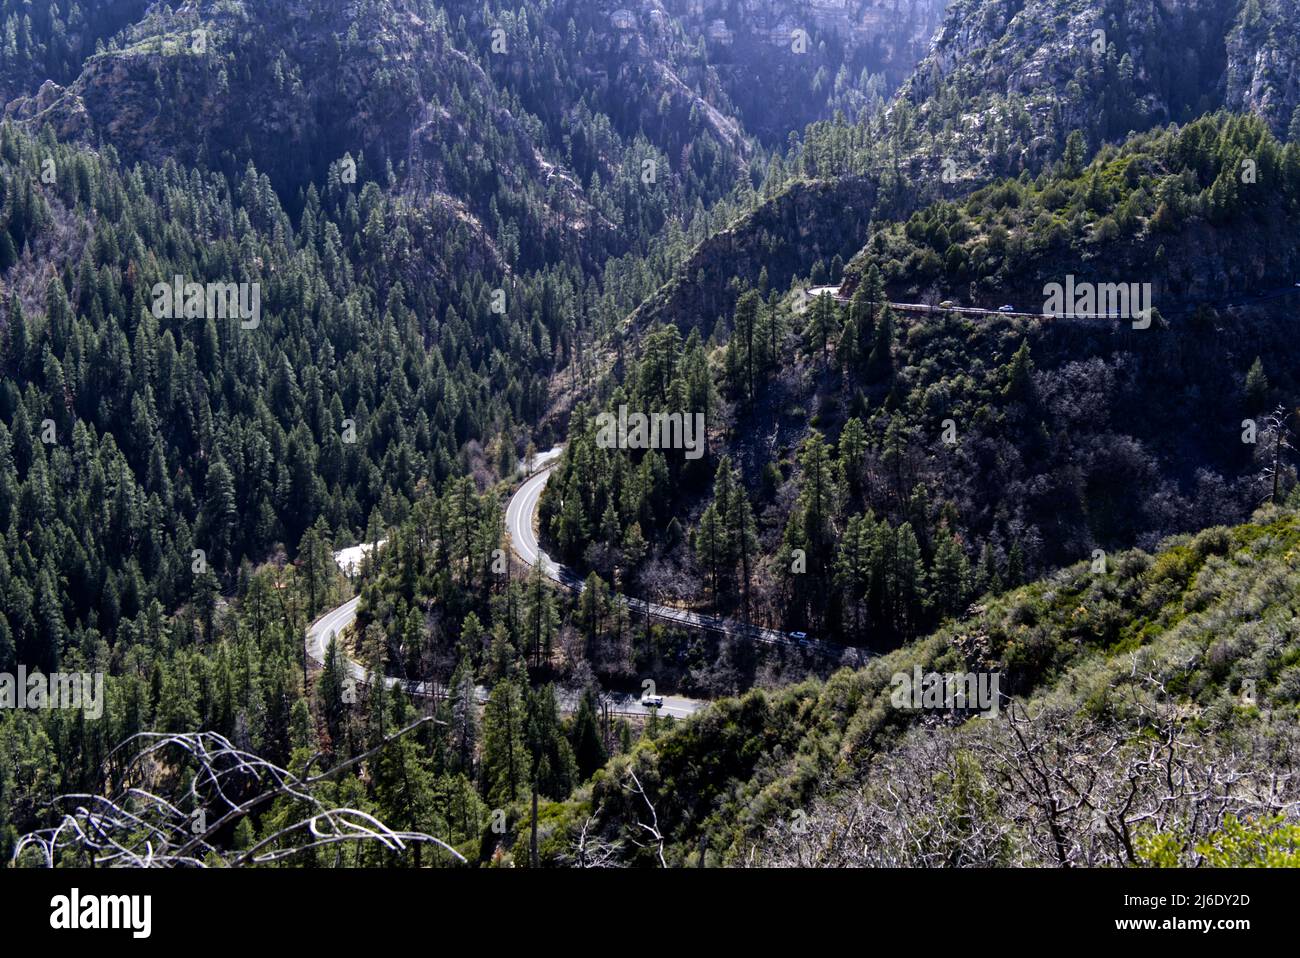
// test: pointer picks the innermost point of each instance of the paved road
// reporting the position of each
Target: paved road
(540, 460)
(520, 517)
(521, 513)
(834, 292)
(335, 621)
(329, 625)
(928, 308)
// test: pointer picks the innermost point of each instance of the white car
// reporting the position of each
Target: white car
(652, 701)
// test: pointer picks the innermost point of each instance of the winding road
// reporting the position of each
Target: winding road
(521, 516)
(334, 622)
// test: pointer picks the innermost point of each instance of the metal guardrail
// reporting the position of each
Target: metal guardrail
(931, 309)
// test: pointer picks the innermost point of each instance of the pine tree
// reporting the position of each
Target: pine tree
(1015, 566)
(864, 307)
(709, 543)
(592, 607)
(504, 765)
(541, 617)
(855, 563)
(744, 539)
(987, 579)
(1019, 375)
(332, 687)
(1257, 386)
(588, 747)
(744, 329)
(462, 718)
(853, 450)
(404, 790)
(821, 324)
(846, 347)
(907, 579)
(949, 578)
(880, 362)
(553, 771)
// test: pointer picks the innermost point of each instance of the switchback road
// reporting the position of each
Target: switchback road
(334, 622)
(521, 515)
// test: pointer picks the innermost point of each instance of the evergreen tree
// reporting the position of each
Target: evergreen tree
(504, 766)
(588, 745)
(1256, 386)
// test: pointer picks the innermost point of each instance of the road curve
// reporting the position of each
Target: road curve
(333, 623)
(520, 516)
(521, 511)
(329, 625)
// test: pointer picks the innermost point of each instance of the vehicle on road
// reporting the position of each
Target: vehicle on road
(947, 304)
(799, 635)
(652, 701)
(1008, 308)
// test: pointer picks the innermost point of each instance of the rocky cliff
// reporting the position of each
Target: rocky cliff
(1263, 69)
(1009, 79)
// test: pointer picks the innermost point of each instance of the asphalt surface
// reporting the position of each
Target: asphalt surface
(1238, 300)
(334, 622)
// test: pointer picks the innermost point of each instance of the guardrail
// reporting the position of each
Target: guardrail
(931, 309)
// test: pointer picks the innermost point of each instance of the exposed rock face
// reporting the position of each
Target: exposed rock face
(1263, 70)
(1030, 71)
(294, 88)
(1001, 88)
(775, 63)
(860, 22)
(1011, 78)
(804, 223)
(48, 40)
(180, 83)
(778, 59)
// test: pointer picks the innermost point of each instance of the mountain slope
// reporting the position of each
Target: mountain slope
(44, 40)
(553, 111)
(1187, 656)
(952, 451)
(1003, 87)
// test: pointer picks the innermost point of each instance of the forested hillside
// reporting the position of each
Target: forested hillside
(45, 40)
(1007, 87)
(1153, 724)
(874, 471)
(314, 315)
(437, 210)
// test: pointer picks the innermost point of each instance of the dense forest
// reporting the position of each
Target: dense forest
(874, 471)
(1115, 751)
(466, 233)
(173, 485)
